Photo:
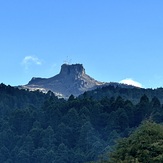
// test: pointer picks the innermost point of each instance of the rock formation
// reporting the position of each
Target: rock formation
(72, 79)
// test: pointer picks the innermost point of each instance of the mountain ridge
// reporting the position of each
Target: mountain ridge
(72, 79)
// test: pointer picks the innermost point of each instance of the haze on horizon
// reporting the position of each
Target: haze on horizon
(116, 41)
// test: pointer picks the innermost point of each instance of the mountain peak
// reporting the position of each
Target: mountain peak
(74, 69)
(72, 79)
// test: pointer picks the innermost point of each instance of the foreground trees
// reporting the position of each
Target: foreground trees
(144, 145)
(37, 127)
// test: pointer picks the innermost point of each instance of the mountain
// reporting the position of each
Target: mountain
(72, 79)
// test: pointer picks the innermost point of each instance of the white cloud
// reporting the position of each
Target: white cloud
(130, 81)
(31, 60)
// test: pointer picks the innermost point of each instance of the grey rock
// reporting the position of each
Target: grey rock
(72, 79)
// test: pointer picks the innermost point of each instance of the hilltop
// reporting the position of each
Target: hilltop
(72, 79)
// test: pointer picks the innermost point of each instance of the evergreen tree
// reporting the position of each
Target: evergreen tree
(49, 157)
(48, 138)
(23, 157)
(144, 145)
(62, 155)
(28, 145)
(4, 154)
(38, 155)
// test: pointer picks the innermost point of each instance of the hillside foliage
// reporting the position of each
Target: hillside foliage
(37, 127)
(144, 145)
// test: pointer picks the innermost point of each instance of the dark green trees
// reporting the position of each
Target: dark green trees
(144, 145)
(37, 127)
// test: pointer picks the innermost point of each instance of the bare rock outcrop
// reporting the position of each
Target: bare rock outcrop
(72, 79)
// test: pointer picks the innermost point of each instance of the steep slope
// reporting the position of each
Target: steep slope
(72, 79)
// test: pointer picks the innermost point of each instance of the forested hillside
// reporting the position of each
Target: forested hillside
(40, 128)
(127, 92)
(143, 145)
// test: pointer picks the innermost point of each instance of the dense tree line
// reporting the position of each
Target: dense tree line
(126, 92)
(37, 127)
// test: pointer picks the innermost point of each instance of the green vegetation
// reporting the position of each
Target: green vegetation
(37, 127)
(144, 145)
(129, 93)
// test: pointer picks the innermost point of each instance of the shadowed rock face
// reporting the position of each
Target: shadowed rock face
(72, 79)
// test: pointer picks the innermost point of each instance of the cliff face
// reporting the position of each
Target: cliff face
(72, 79)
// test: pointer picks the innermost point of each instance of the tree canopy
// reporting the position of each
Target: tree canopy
(144, 145)
(37, 127)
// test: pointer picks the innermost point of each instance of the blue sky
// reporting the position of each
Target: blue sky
(115, 40)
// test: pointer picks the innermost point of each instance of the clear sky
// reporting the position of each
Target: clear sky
(113, 39)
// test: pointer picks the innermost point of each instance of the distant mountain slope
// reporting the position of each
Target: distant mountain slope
(72, 79)
(129, 93)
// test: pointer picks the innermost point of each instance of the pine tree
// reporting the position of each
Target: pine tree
(144, 145)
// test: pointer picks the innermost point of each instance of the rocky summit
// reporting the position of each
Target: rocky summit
(72, 79)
